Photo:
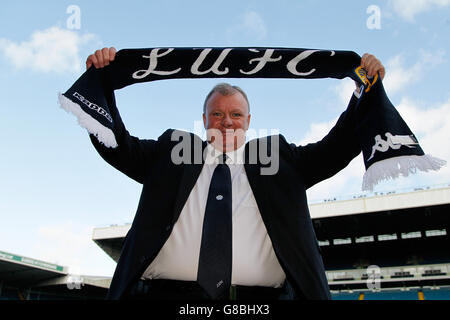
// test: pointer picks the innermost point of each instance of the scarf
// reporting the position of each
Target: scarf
(389, 147)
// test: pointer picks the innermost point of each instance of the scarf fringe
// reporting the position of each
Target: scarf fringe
(392, 168)
(103, 134)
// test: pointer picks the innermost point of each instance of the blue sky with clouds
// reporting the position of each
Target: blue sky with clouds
(54, 188)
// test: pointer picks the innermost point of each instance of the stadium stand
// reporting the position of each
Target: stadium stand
(23, 278)
(403, 236)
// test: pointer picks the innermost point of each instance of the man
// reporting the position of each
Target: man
(221, 228)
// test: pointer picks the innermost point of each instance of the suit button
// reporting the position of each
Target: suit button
(169, 227)
(143, 258)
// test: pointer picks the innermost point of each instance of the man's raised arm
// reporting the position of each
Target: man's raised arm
(132, 154)
(335, 151)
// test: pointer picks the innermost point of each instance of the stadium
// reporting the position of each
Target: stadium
(386, 246)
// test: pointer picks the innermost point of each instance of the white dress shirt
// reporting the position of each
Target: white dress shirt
(254, 261)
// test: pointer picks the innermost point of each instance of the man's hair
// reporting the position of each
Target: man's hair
(225, 89)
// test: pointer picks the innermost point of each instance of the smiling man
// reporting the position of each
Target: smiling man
(226, 117)
(221, 229)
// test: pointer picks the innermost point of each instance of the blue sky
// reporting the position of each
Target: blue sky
(54, 188)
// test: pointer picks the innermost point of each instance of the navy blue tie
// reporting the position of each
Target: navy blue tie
(214, 267)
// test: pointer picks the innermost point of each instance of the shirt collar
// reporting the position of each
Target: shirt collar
(233, 157)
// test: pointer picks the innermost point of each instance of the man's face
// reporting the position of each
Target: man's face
(226, 121)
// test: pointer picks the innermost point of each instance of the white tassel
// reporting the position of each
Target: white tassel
(102, 133)
(392, 168)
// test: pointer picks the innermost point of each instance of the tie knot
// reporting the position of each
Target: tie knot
(222, 158)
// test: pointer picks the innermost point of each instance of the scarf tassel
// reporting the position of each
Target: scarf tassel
(392, 168)
(102, 133)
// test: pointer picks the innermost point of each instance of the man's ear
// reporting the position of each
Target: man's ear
(204, 120)
(248, 120)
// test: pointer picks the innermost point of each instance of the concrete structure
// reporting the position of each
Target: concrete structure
(420, 197)
(23, 278)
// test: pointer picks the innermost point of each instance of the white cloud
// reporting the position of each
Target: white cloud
(70, 244)
(317, 131)
(50, 50)
(251, 24)
(408, 9)
(431, 126)
(398, 76)
(346, 182)
(254, 23)
(344, 90)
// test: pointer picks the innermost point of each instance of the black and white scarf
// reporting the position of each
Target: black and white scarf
(389, 147)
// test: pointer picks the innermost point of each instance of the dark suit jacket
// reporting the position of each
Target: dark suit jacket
(281, 198)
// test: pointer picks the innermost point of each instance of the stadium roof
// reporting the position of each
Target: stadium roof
(22, 272)
(19, 270)
(420, 197)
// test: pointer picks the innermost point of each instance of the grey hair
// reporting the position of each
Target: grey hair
(225, 89)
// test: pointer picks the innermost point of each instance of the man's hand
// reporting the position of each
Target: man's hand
(101, 58)
(372, 65)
